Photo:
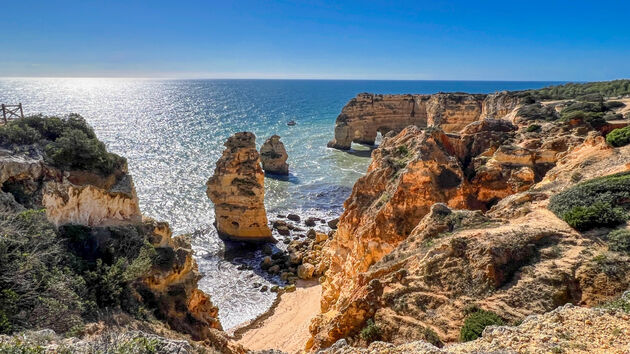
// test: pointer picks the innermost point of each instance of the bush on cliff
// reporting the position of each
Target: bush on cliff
(619, 137)
(68, 143)
(370, 332)
(476, 322)
(619, 241)
(537, 111)
(60, 278)
(597, 202)
(600, 214)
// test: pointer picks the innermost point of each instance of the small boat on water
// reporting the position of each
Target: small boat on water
(291, 123)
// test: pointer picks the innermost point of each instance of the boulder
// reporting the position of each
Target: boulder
(305, 271)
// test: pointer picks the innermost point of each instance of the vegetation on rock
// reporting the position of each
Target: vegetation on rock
(595, 203)
(67, 143)
(584, 91)
(475, 323)
(370, 332)
(619, 137)
(619, 241)
(59, 279)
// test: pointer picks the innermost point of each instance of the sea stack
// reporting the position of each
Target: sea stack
(238, 192)
(274, 156)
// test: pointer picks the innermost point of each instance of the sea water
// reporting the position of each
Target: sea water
(172, 133)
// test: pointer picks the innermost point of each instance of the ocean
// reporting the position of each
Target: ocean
(172, 133)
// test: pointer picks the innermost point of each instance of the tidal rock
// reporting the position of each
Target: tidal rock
(274, 156)
(237, 191)
(333, 223)
(293, 217)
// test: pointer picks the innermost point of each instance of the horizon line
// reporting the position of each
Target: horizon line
(289, 79)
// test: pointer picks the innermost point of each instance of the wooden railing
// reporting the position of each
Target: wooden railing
(12, 112)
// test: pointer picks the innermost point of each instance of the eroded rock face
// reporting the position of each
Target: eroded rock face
(274, 156)
(80, 197)
(174, 284)
(368, 114)
(391, 215)
(237, 191)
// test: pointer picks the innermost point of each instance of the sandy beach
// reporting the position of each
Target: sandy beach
(285, 326)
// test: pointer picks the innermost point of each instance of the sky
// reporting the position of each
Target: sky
(401, 40)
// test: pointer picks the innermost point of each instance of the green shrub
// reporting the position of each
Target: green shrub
(402, 150)
(619, 137)
(475, 323)
(371, 331)
(591, 97)
(613, 116)
(533, 128)
(68, 143)
(614, 104)
(619, 241)
(597, 202)
(600, 214)
(59, 278)
(538, 111)
(75, 150)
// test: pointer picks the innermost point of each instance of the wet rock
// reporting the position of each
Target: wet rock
(264, 288)
(267, 249)
(283, 230)
(274, 156)
(286, 241)
(333, 223)
(266, 262)
(293, 217)
(310, 222)
(274, 269)
(289, 288)
(311, 234)
(278, 223)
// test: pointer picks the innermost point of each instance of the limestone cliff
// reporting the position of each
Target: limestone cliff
(368, 114)
(237, 191)
(274, 156)
(409, 263)
(81, 197)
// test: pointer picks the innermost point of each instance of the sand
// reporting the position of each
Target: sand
(284, 326)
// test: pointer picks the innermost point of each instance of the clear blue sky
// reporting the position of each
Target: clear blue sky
(472, 40)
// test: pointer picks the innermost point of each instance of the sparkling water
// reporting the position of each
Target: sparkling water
(172, 133)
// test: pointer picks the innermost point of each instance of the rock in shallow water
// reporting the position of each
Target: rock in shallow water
(274, 156)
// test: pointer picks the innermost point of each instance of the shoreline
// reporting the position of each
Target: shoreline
(290, 313)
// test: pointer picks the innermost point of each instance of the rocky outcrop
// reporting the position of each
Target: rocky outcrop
(565, 329)
(80, 197)
(405, 262)
(368, 114)
(173, 284)
(274, 156)
(237, 191)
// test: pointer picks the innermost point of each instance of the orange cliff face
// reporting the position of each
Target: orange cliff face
(99, 201)
(383, 244)
(368, 114)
